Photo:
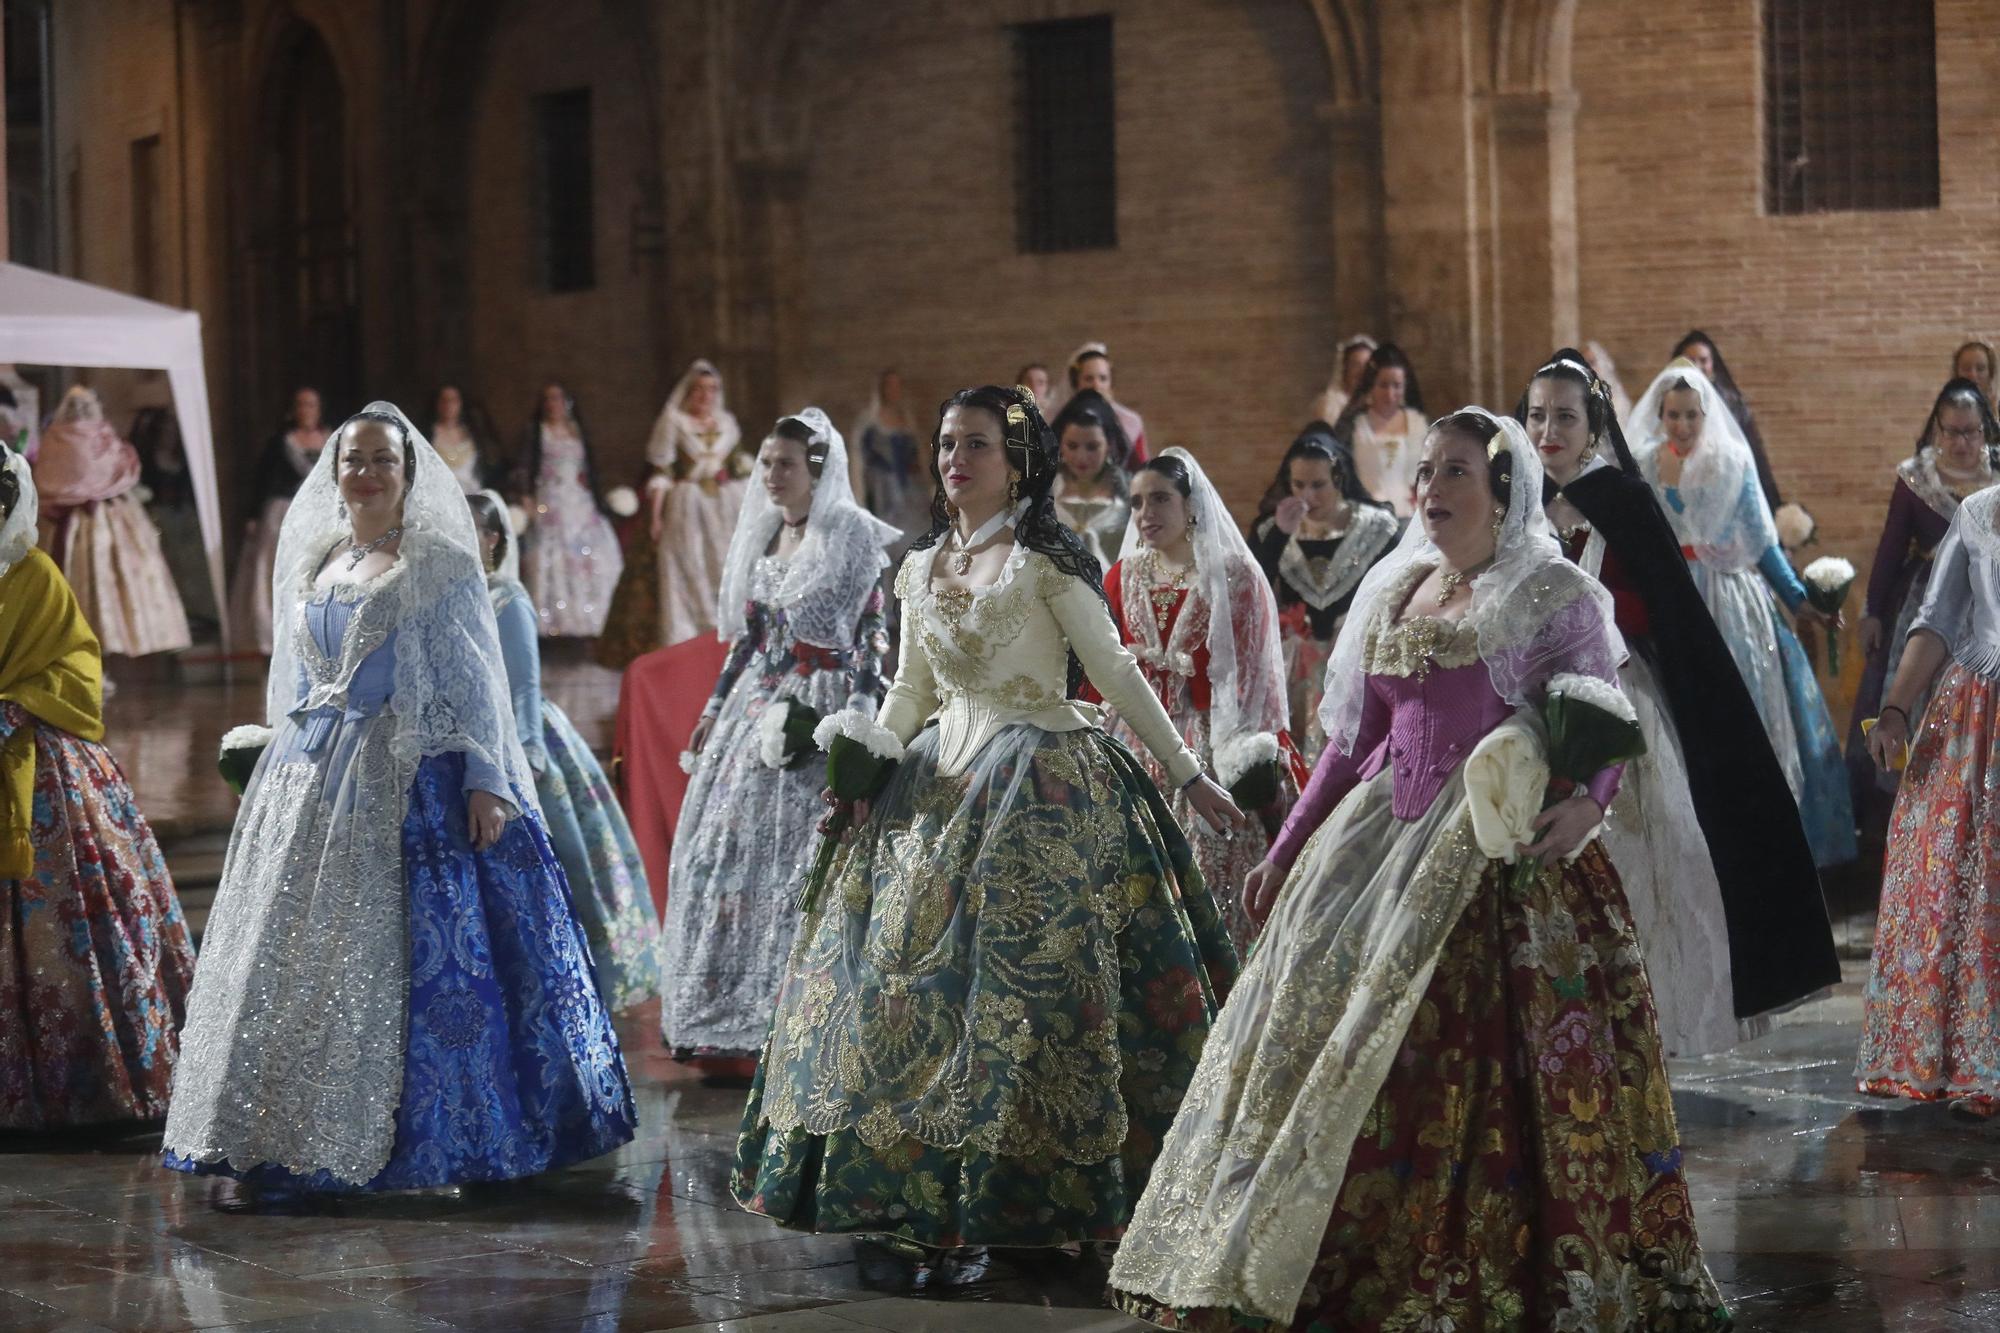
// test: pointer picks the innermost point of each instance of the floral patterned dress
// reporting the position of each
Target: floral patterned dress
(1455, 1067)
(999, 993)
(570, 557)
(95, 962)
(745, 839)
(1928, 1023)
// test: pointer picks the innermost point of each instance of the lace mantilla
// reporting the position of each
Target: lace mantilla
(1322, 581)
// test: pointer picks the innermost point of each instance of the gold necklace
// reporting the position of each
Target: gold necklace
(1451, 580)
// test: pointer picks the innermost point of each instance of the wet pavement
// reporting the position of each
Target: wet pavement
(1818, 1209)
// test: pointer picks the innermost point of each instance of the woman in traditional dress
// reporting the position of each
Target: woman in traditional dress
(1090, 369)
(1383, 427)
(1975, 361)
(394, 991)
(1349, 366)
(999, 990)
(570, 558)
(1689, 450)
(1035, 377)
(802, 610)
(1928, 1029)
(885, 473)
(1704, 833)
(1699, 348)
(1319, 534)
(1090, 491)
(585, 824)
(287, 459)
(459, 440)
(1956, 455)
(94, 955)
(1194, 608)
(1436, 1099)
(100, 534)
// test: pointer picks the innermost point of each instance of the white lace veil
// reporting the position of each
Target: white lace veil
(17, 529)
(1514, 600)
(450, 687)
(1724, 515)
(660, 446)
(1246, 662)
(840, 557)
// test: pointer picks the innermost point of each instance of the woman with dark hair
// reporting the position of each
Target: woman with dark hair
(586, 825)
(1437, 1099)
(999, 990)
(884, 471)
(1035, 376)
(1091, 487)
(1195, 610)
(1705, 834)
(801, 609)
(1690, 452)
(288, 456)
(569, 556)
(1383, 427)
(464, 440)
(1317, 534)
(94, 955)
(1699, 348)
(394, 992)
(1956, 455)
(1975, 361)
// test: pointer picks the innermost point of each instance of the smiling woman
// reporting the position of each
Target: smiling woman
(392, 956)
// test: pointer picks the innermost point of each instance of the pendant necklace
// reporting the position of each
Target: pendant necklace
(960, 559)
(1451, 580)
(356, 552)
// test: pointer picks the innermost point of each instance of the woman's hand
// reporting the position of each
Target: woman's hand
(1670, 464)
(856, 813)
(1291, 512)
(1808, 614)
(1260, 891)
(485, 819)
(1564, 826)
(702, 730)
(1871, 635)
(1888, 738)
(1212, 803)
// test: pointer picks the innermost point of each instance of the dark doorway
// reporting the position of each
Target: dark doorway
(303, 245)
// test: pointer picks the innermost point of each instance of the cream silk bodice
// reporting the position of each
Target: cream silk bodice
(981, 659)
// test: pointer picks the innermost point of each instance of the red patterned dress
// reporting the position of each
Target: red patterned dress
(1929, 1028)
(94, 956)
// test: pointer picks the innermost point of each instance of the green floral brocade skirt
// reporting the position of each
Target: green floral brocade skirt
(993, 1007)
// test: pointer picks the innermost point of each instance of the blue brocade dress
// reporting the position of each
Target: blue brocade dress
(607, 878)
(379, 1008)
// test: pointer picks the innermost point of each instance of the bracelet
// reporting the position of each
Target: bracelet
(1199, 775)
(1892, 708)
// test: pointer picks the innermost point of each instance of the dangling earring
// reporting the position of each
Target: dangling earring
(951, 511)
(1190, 521)
(1499, 520)
(1013, 490)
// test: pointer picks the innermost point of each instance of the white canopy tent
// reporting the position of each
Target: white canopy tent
(47, 320)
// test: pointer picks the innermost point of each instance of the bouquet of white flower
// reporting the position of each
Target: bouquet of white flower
(1828, 580)
(785, 733)
(1796, 527)
(622, 501)
(1591, 725)
(860, 756)
(242, 747)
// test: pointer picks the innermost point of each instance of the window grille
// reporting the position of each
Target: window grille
(1066, 178)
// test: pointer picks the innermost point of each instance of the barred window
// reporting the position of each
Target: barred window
(565, 219)
(1065, 177)
(1850, 105)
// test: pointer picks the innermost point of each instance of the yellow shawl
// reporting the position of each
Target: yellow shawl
(50, 666)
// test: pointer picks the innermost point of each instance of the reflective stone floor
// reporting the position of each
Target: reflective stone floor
(1818, 1209)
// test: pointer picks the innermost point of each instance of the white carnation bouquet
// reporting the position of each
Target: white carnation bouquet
(1828, 581)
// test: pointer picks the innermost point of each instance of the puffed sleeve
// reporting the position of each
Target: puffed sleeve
(913, 697)
(1092, 636)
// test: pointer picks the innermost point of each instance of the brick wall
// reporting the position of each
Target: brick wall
(1839, 327)
(1216, 303)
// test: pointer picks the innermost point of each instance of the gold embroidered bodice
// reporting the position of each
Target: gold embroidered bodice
(981, 659)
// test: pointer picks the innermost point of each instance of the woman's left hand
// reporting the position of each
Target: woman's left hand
(1808, 614)
(485, 819)
(1563, 827)
(1212, 803)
